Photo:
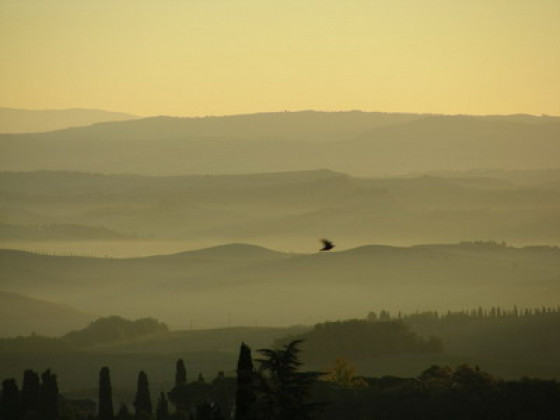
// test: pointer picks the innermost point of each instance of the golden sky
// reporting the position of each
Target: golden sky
(216, 57)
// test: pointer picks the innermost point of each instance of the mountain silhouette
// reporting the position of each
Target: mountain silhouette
(370, 144)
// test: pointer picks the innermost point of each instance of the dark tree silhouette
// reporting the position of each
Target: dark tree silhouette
(30, 393)
(49, 396)
(245, 395)
(123, 413)
(105, 411)
(282, 389)
(208, 411)
(162, 411)
(10, 406)
(180, 373)
(222, 393)
(179, 395)
(142, 401)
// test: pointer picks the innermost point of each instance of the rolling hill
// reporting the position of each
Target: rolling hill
(289, 210)
(365, 144)
(246, 285)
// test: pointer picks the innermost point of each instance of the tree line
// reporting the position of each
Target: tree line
(495, 312)
(528, 335)
(276, 390)
(274, 387)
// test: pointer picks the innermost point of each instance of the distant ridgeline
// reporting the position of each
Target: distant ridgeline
(103, 330)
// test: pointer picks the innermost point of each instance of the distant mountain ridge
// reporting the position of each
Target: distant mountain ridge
(13, 120)
(310, 126)
(358, 143)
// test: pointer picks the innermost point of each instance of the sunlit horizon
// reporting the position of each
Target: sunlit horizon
(201, 58)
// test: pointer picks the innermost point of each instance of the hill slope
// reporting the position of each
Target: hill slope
(244, 286)
(35, 121)
(22, 315)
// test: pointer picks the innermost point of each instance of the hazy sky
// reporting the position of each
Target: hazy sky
(213, 57)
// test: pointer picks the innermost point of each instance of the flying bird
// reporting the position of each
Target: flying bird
(327, 245)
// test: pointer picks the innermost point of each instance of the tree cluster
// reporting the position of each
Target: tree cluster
(523, 335)
(114, 328)
(359, 339)
(442, 393)
(276, 390)
(37, 399)
(103, 330)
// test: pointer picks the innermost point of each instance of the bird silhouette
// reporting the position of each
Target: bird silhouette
(327, 245)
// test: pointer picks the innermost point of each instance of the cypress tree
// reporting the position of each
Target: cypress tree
(162, 412)
(49, 396)
(142, 401)
(245, 396)
(180, 374)
(105, 411)
(10, 406)
(179, 394)
(30, 393)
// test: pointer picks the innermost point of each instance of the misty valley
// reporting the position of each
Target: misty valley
(172, 268)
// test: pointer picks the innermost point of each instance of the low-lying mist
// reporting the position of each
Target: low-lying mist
(248, 285)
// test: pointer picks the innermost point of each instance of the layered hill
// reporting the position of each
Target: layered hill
(358, 143)
(247, 285)
(14, 120)
(288, 210)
